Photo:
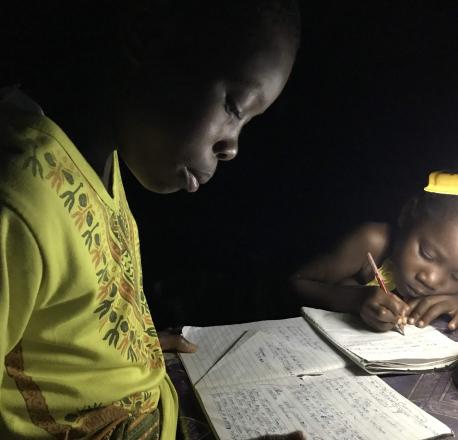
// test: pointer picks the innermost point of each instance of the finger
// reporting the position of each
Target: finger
(378, 312)
(413, 303)
(453, 322)
(396, 305)
(432, 313)
(176, 343)
(421, 309)
(370, 317)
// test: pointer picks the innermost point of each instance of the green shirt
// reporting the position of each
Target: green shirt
(81, 351)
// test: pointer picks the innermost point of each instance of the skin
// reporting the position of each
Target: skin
(173, 125)
(427, 271)
(426, 259)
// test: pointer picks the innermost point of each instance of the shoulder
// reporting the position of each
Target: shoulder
(30, 178)
(373, 237)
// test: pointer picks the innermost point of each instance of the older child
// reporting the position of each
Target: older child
(419, 261)
(170, 84)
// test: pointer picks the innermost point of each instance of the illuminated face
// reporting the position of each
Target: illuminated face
(173, 137)
(426, 260)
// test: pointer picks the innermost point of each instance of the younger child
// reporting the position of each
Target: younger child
(418, 259)
(170, 85)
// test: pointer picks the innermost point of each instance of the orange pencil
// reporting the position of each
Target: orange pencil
(398, 327)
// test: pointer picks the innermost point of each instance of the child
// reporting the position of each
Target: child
(171, 89)
(419, 261)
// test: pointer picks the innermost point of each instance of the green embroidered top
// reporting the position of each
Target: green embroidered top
(81, 351)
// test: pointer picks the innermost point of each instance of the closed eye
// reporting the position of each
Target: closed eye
(425, 254)
(231, 108)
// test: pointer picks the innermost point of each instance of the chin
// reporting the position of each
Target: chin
(157, 187)
(403, 291)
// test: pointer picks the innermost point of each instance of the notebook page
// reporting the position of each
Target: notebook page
(348, 331)
(334, 406)
(302, 348)
(261, 356)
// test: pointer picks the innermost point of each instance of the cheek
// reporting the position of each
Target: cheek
(405, 262)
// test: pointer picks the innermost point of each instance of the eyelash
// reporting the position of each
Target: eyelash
(425, 254)
(231, 108)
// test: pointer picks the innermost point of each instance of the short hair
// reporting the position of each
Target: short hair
(427, 206)
(204, 22)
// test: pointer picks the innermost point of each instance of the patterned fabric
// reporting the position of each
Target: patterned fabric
(81, 351)
(386, 272)
(144, 427)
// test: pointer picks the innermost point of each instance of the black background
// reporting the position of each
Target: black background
(370, 110)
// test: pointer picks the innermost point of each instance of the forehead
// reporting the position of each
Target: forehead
(263, 68)
(442, 234)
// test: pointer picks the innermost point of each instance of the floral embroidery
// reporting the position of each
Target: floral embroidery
(111, 239)
(34, 163)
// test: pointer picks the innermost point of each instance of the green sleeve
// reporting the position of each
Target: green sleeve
(21, 271)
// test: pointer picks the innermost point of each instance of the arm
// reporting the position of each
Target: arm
(336, 281)
(20, 279)
(332, 280)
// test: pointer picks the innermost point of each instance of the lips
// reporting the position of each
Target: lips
(192, 184)
(201, 176)
(195, 178)
(412, 292)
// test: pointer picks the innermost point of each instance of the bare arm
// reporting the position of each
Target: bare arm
(335, 280)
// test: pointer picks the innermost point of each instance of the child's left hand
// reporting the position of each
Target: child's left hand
(172, 341)
(424, 310)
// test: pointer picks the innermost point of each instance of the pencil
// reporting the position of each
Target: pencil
(379, 279)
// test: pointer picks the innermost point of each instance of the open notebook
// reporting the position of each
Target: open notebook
(419, 350)
(279, 376)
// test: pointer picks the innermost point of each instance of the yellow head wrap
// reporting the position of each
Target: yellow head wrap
(441, 182)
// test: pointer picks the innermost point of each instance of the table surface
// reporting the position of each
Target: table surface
(434, 392)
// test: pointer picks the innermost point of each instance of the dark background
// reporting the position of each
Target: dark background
(370, 110)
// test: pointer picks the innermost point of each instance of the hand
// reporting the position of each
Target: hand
(424, 310)
(381, 311)
(297, 435)
(171, 340)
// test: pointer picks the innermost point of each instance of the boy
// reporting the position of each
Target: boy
(171, 88)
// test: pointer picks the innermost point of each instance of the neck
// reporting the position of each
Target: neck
(87, 122)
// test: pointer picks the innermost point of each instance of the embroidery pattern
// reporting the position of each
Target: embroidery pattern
(124, 319)
(111, 239)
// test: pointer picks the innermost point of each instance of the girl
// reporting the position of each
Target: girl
(418, 259)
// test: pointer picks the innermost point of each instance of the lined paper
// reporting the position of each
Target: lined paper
(335, 406)
(420, 348)
(274, 377)
(294, 347)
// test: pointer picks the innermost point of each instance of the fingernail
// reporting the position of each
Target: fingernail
(452, 326)
(421, 323)
(411, 321)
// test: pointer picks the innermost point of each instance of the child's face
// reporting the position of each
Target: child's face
(426, 260)
(172, 133)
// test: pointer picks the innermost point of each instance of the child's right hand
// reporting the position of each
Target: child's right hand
(381, 311)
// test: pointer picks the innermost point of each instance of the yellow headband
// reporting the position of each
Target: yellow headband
(441, 182)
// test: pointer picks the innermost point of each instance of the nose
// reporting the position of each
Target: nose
(226, 149)
(430, 278)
